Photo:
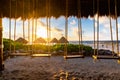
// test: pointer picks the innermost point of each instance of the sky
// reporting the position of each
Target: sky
(58, 28)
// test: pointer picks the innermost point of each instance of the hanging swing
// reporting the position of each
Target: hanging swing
(14, 51)
(10, 30)
(80, 53)
(96, 55)
(48, 53)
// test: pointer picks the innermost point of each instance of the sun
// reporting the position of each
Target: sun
(41, 32)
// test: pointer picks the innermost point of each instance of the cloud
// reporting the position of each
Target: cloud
(57, 29)
(73, 34)
(90, 18)
(73, 22)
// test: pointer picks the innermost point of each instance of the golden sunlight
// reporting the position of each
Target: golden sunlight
(41, 32)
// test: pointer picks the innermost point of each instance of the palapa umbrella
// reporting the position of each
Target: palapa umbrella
(54, 40)
(40, 40)
(21, 40)
(63, 40)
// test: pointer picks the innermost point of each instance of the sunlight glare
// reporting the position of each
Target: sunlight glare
(41, 32)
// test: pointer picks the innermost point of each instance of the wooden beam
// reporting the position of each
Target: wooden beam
(1, 47)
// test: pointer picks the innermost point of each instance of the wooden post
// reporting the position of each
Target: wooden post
(1, 47)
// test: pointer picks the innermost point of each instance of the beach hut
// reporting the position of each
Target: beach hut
(54, 40)
(21, 40)
(63, 40)
(39, 40)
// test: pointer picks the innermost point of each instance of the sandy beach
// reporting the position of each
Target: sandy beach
(56, 68)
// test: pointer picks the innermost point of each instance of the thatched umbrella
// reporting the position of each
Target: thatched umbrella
(57, 8)
(21, 40)
(54, 40)
(40, 40)
(63, 40)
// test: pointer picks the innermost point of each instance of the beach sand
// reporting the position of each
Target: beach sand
(56, 68)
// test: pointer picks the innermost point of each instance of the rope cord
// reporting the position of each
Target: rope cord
(111, 27)
(28, 33)
(33, 27)
(15, 26)
(10, 28)
(79, 23)
(32, 33)
(116, 27)
(94, 26)
(66, 26)
(28, 26)
(23, 22)
(49, 33)
(48, 24)
(97, 26)
(36, 21)
(80, 28)
(79, 33)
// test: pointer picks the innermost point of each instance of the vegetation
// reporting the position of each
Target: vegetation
(72, 49)
(57, 49)
(17, 45)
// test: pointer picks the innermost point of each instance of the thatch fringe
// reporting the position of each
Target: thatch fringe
(56, 8)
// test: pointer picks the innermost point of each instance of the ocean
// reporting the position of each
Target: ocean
(107, 45)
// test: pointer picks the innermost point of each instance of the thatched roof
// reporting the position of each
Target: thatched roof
(21, 40)
(26, 8)
(54, 40)
(39, 40)
(63, 40)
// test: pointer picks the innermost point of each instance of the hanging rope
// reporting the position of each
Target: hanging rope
(49, 29)
(23, 22)
(94, 25)
(15, 26)
(36, 21)
(35, 24)
(96, 54)
(28, 33)
(10, 29)
(33, 28)
(79, 27)
(48, 24)
(111, 27)
(97, 26)
(116, 27)
(28, 26)
(66, 27)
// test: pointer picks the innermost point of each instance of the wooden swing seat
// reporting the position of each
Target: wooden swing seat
(19, 54)
(73, 56)
(40, 55)
(106, 57)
